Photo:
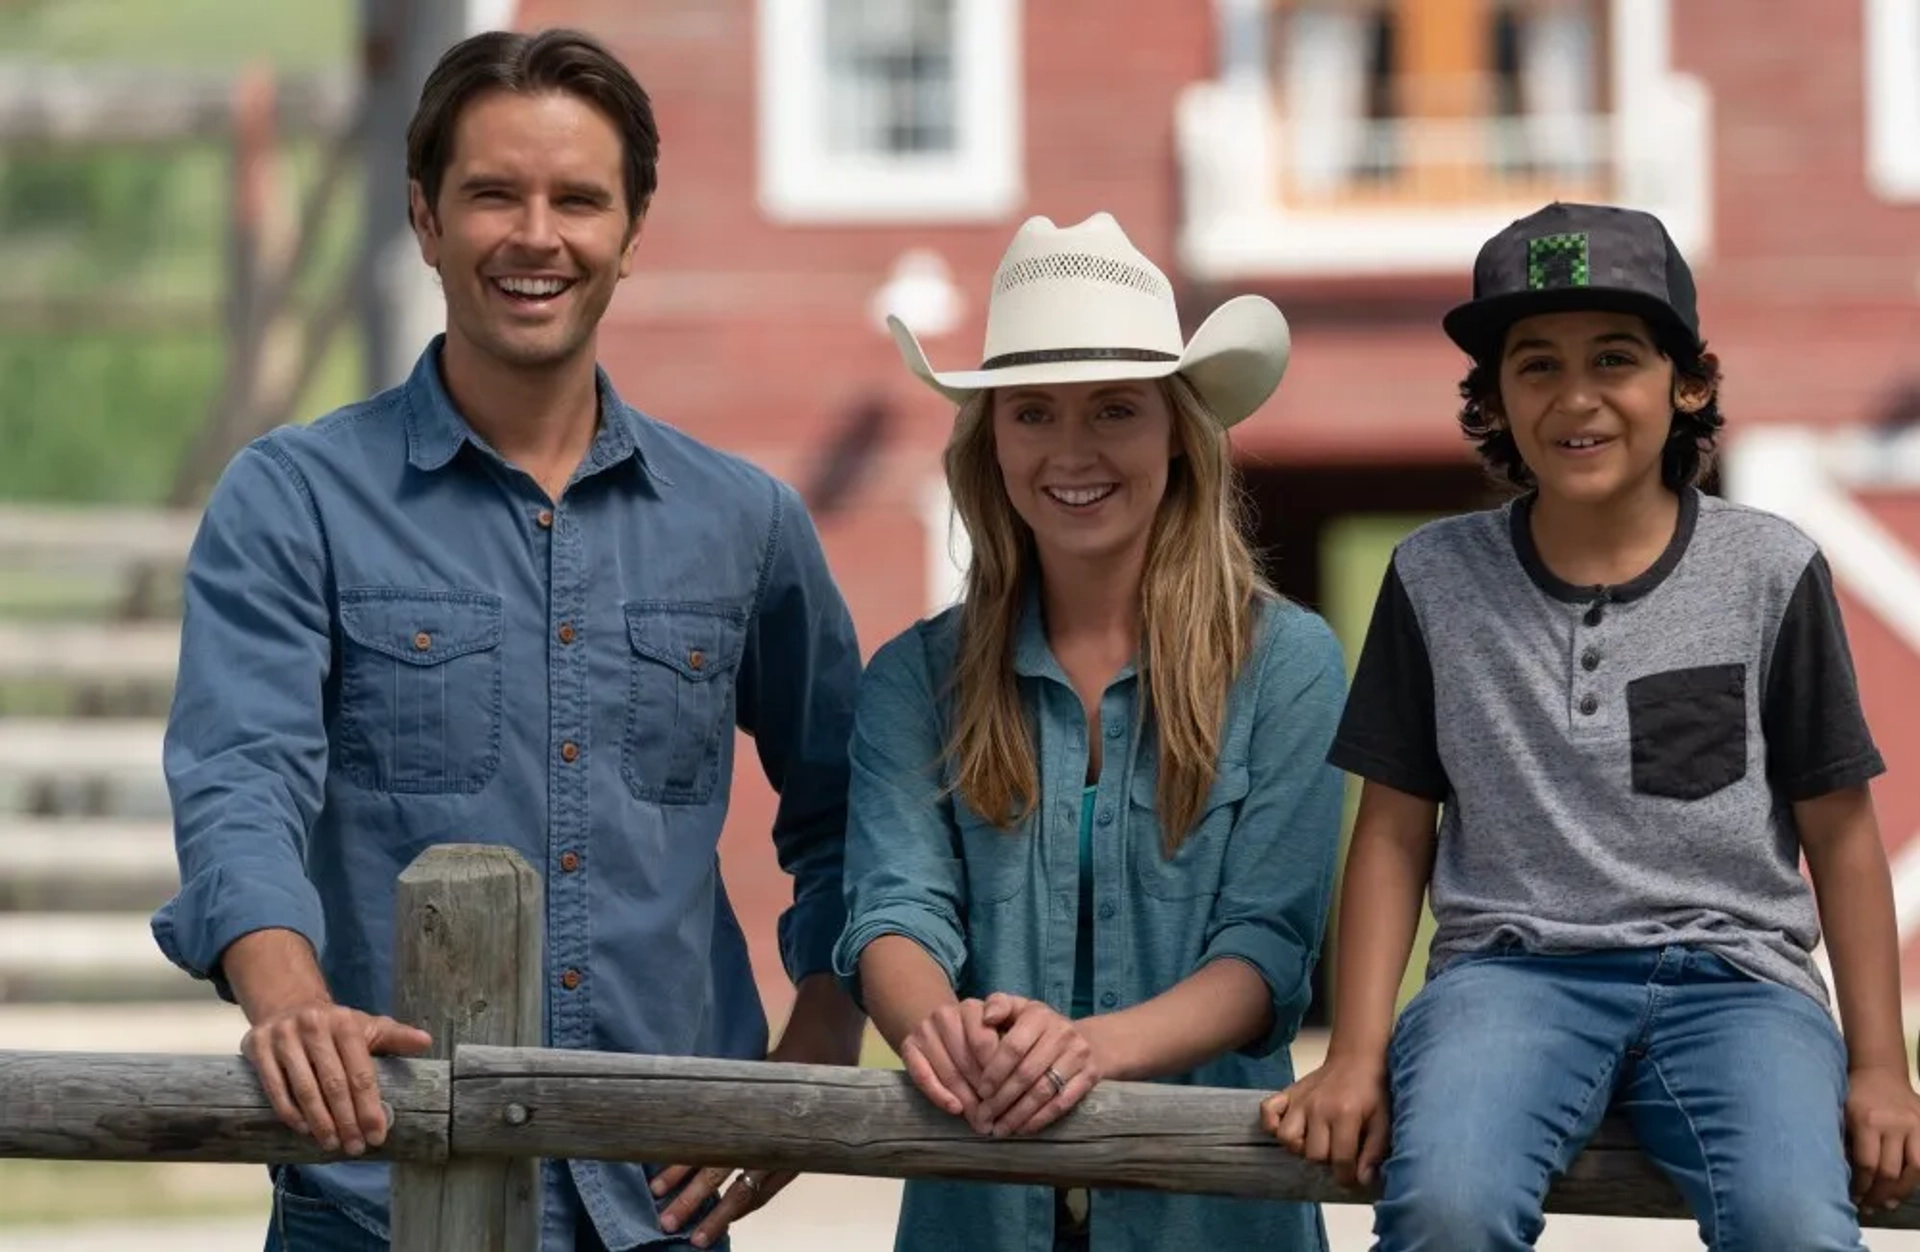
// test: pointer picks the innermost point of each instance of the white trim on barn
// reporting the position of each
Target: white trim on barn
(1807, 477)
(1892, 49)
(803, 180)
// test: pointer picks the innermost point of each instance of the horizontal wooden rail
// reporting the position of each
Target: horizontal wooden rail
(472, 1121)
(110, 1106)
(64, 106)
(518, 1102)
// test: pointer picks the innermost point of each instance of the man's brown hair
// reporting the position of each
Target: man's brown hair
(553, 60)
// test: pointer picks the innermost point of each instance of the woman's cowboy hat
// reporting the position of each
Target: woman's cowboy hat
(1080, 303)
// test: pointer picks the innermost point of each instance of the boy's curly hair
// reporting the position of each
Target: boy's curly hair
(1686, 460)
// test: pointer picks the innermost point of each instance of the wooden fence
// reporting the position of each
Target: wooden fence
(471, 1122)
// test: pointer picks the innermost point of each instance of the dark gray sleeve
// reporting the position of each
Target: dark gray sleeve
(1817, 737)
(1387, 732)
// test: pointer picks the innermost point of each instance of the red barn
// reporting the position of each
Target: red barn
(825, 160)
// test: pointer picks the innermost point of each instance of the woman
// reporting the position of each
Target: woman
(1092, 827)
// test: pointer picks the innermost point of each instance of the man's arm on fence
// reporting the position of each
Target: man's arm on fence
(246, 743)
(798, 678)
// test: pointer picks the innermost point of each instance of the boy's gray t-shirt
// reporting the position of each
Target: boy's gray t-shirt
(1616, 766)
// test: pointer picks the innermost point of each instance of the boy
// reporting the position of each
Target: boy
(1632, 708)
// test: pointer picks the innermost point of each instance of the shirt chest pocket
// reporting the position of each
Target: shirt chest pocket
(1194, 868)
(419, 689)
(997, 862)
(1689, 730)
(680, 698)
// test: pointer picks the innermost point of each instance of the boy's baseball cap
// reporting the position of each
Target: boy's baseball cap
(1574, 257)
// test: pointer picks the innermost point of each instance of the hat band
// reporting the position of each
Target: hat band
(1052, 356)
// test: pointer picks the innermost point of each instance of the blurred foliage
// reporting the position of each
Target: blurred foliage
(314, 34)
(100, 414)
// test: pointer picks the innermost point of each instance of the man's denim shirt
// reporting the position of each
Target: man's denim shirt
(1000, 911)
(393, 639)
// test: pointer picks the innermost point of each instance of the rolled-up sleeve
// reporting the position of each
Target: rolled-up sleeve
(246, 745)
(1277, 882)
(798, 680)
(904, 875)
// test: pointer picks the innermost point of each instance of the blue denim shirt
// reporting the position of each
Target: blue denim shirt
(393, 639)
(1000, 912)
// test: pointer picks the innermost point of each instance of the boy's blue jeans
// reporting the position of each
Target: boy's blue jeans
(1503, 1065)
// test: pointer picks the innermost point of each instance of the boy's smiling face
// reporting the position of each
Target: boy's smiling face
(1590, 401)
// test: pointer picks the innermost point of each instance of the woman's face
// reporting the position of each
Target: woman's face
(1085, 464)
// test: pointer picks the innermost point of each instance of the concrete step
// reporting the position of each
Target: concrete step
(86, 958)
(89, 652)
(68, 746)
(56, 538)
(85, 866)
(208, 1026)
(97, 766)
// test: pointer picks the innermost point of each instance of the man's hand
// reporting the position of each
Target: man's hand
(1883, 1124)
(1337, 1115)
(315, 1063)
(824, 1029)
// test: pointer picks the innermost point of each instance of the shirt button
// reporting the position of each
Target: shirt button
(696, 659)
(566, 632)
(545, 518)
(1106, 817)
(1114, 730)
(1106, 909)
(1108, 999)
(1588, 704)
(569, 751)
(570, 979)
(569, 861)
(422, 641)
(1593, 616)
(1590, 660)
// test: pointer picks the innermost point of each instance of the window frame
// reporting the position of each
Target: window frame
(801, 180)
(1891, 46)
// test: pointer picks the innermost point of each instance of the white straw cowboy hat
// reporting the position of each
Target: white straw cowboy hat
(1080, 303)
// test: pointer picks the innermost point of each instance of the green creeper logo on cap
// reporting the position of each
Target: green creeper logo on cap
(1555, 261)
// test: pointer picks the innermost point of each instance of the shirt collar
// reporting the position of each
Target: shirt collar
(436, 430)
(1520, 530)
(1032, 654)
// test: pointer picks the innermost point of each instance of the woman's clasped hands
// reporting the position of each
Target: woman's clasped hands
(1007, 1064)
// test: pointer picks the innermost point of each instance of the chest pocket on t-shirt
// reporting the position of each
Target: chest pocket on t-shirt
(680, 698)
(1689, 730)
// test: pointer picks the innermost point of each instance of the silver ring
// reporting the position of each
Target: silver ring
(1059, 1083)
(750, 1182)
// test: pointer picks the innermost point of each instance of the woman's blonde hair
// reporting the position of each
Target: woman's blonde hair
(1197, 608)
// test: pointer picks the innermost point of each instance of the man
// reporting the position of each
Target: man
(496, 603)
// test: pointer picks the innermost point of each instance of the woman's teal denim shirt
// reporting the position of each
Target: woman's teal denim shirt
(999, 911)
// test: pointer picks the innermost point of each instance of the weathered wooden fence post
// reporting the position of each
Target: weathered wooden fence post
(467, 969)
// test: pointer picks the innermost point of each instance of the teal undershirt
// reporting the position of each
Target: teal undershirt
(1083, 949)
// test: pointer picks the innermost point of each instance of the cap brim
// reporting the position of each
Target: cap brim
(1234, 361)
(1479, 327)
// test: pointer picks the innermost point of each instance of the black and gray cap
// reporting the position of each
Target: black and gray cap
(1572, 257)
